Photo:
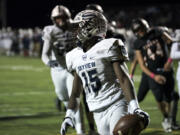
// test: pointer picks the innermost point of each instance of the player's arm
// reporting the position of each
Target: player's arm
(175, 53)
(125, 81)
(168, 40)
(118, 55)
(129, 91)
(75, 95)
(46, 52)
(133, 66)
(73, 105)
(158, 78)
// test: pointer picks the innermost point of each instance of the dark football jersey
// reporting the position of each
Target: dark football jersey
(153, 49)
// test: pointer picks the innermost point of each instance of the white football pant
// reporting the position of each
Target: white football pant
(63, 81)
(107, 119)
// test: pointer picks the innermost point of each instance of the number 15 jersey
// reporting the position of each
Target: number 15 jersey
(95, 69)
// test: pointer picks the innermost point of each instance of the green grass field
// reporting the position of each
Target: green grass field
(27, 105)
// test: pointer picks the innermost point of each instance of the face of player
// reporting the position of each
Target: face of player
(60, 21)
(140, 33)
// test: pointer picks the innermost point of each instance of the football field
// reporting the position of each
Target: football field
(27, 100)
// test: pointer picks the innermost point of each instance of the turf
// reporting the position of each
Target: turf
(27, 100)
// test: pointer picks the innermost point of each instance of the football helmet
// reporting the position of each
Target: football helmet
(62, 12)
(95, 7)
(140, 24)
(90, 24)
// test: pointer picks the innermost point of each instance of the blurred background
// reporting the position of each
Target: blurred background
(21, 22)
(32, 13)
(27, 94)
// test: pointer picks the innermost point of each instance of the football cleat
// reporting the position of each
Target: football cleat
(166, 125)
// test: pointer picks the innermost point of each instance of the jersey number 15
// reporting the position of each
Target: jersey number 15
(92, 82)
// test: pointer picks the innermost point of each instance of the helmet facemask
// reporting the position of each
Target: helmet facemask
(140, 27)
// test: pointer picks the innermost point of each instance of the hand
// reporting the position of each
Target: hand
(68, 121)
(144, 115)
(160, 79)
(53, 63)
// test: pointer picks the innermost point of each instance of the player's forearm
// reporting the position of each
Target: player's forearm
(142, 64)
(133, 66)
(74, 103)
(45, 59)
(146, 70)
(130, 93)
(74, 100)
(124, 80)
(45, 53)
(128, 89)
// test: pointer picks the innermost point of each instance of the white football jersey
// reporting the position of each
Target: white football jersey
(60, 41)
(96, 72)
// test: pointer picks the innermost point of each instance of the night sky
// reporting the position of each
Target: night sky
(32, 13)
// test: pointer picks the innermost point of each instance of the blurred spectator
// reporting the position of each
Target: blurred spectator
(37, 42)
(26, 44)
(15, 43)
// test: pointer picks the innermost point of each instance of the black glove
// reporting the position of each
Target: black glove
(53, 63)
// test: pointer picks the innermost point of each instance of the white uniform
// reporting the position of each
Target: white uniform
(71, 56)
(103, 94)
(56, 44)
(175, 54)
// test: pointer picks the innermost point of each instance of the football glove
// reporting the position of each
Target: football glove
(52, 63)
(68, 121)
(143, 115)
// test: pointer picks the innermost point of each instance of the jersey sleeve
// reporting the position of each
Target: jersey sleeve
(158, 32)
(118, 51)
(46, 33)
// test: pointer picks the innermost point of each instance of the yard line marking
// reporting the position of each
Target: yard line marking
(10, 108)
(15, 109)
(23, 67)
(26, 115)
(24, 93)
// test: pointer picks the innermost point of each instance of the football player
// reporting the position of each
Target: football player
(151, 50)
(97, 69)
(175, 55)
(58, 40)
(143, 86)
(112, 30)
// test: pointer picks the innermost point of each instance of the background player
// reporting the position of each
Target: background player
(93, 68)
(152, 55)
(175, 55)
(58, 40)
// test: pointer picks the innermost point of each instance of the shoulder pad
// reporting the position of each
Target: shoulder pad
(157, 31)
(70, 58)
(118, 51)
(46, 34)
